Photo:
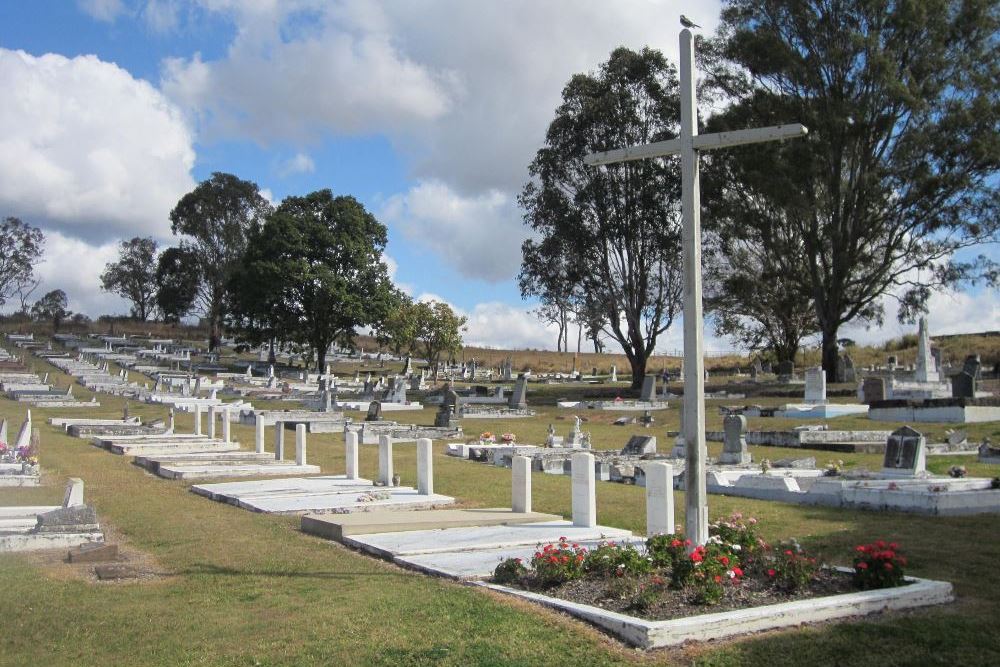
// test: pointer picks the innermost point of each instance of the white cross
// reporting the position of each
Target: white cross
(687, 146)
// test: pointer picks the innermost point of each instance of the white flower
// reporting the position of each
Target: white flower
(736, 547)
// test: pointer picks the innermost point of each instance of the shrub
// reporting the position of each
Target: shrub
(558, 563)
(713, 570)
(509, 571)
(618, 560)
(648, 593)
(790, 569)
(878, 565)
(670, 551)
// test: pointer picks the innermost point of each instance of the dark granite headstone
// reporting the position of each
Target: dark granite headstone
(873, 390)
(904, 451)
(519, 397)
(638, 445)
(648, 392)
(963, 385)
(973, 366)
(374, 412)
(785, 369)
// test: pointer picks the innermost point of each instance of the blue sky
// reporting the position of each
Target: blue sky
(428, 113)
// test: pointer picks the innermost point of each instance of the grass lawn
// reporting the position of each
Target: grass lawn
(248, 589)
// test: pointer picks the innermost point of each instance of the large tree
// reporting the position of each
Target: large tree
(899, 171)
(20, 247)
(133, 276)
(438, 331)
(177, 279)
(618, 228)
(52, 308)
(217, 218)
(398, 329)
(321, 258)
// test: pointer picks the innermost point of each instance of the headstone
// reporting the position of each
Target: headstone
(449, 406)
(226, 426)
(584, 491)
(938, 355)
(66, 519)
(300, 444)
(73, 497)
(973, 366)
(891, 362)
(815, 386)
(648, 392)
(171, 417)
(926, 370)
(351, 454)
(638, 445)
(905, 452)
(520, 484)
(24, 435)
(734, 446)
(659, 498)
(374, 412)
(845, 370)
(785, 370)
(425, 467)
(614, 373)
(680, 442)
(385, 460)
(519, 397)
(408, 366)
(873, 390)
(211, 422)
(279, 441)
(963, 385)
(259, 434)
(397, 391)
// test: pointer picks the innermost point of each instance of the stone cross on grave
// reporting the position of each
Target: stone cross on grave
(687, 146)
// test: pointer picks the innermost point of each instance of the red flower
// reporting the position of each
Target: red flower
(675, 543)
(738, 571)
(788, 552)
(771, 573)
(579, 559)
(880, 544)
(724, 560)
(562, 539)
(718, 578)
(893, 546)
(862, 566)
(888, 567)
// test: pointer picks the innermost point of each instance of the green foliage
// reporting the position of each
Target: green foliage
(20, 247)
(739, 533)
(217, 218)
(133, 276)
(608, 240)
(398, 329)
(879, 565)
(618, 560)
(558, 563)
(51, 308)
(438, 330)
(509, 571)
(176, 283)
(898, 171)
(789, 568)
(314, 272)
(671, 552)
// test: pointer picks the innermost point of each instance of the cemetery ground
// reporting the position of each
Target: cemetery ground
(238, 588)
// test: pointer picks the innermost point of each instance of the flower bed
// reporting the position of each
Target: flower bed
(667, 593)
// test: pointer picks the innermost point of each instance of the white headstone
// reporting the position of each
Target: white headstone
(300, 444)
(425, 467)
(584, 491)
(926, 370)
(659, 498)
(815, 386)
(385, 460)
(211, 422)
(3, 430)
(351, 454)
(24, 435)
(259, 434)
(197, 419)
(74, 493)
(279, 441)
(226, 427)
(520, 490)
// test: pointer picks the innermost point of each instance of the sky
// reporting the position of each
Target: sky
(427, 112)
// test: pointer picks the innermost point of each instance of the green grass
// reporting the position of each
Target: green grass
(249, 589)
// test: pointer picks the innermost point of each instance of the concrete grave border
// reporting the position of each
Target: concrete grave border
(647, 634)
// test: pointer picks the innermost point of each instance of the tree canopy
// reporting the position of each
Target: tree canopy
(52, 308)
(176, 283)
(897, 175)
(438, 330)
(609, 238)
(20, 247)
(316, 266)
(217, 218)
(133, 276)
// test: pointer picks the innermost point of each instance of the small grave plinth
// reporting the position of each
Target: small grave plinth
(648, 634)
(94, 552)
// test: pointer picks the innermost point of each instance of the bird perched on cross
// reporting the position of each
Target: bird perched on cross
(688, 23)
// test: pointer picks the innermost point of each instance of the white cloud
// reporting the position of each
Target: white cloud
(75, 267)
(161, 15)
(87, 149)
(102, 10)
(479, 235)
(300, 163)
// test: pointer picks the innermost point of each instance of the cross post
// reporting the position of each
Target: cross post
(687, 146)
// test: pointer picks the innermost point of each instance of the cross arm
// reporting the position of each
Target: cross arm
(698, 142)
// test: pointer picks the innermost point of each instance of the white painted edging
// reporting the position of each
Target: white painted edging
(656, 634)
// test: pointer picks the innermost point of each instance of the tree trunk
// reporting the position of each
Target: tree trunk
(638, 363)
(271, 357)
(830, 355)
(215, 332)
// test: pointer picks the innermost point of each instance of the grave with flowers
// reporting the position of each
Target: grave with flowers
(19, 458)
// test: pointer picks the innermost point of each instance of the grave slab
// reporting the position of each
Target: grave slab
(337, 526)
